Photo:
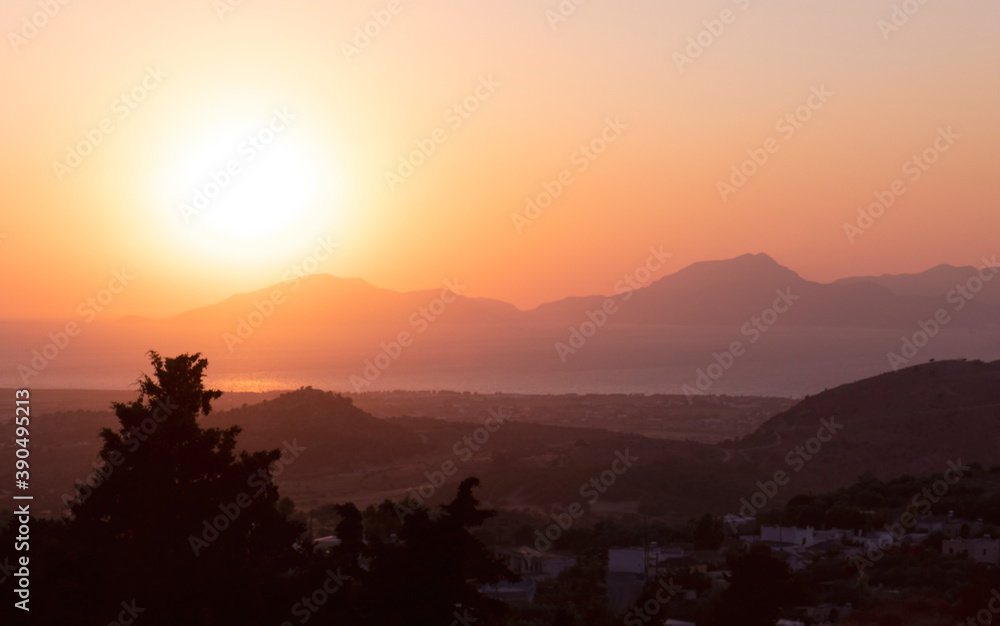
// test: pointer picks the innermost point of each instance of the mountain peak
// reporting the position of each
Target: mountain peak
(744, 268)
(760, 256)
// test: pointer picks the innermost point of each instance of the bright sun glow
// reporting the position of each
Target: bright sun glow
(243, 190)
(268, 197)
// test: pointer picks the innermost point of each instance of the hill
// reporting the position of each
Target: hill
(914, 421)
(337, 435)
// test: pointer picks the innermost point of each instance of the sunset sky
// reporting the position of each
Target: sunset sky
(341, 110)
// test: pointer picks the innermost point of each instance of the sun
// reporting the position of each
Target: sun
(260, 198)
(248, 190)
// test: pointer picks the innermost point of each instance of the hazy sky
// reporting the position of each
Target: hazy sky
(116, 113)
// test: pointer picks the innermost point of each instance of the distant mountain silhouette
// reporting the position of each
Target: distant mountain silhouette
(330, 331)
(707, 293)
(935, 282)
(684, 297)
(322, 299)
(730, 292)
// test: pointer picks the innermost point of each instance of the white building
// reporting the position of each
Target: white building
(641, 561)
(982, 550)
(802, 537)
(833, 534)
(522, 592)
(627, 560)
(532, 565)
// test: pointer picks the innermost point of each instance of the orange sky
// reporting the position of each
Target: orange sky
(539, 89)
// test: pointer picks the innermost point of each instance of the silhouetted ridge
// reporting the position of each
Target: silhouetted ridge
(911, 421)
(337, 434)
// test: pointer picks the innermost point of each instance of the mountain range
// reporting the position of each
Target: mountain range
(707, 293)
(795, 336)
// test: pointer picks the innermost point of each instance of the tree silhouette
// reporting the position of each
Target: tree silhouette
(758, 588)
(185, 530)
(183, 524)
(382, 521)
(708, 532)
(432, 573)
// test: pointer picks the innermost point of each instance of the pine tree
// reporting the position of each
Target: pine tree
(182, 524)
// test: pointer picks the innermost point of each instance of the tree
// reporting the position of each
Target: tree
(580, 591)
(757, 590)
(382, 521)
(183, 524)
(432, 573)
(185, 530)
(708, 533)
